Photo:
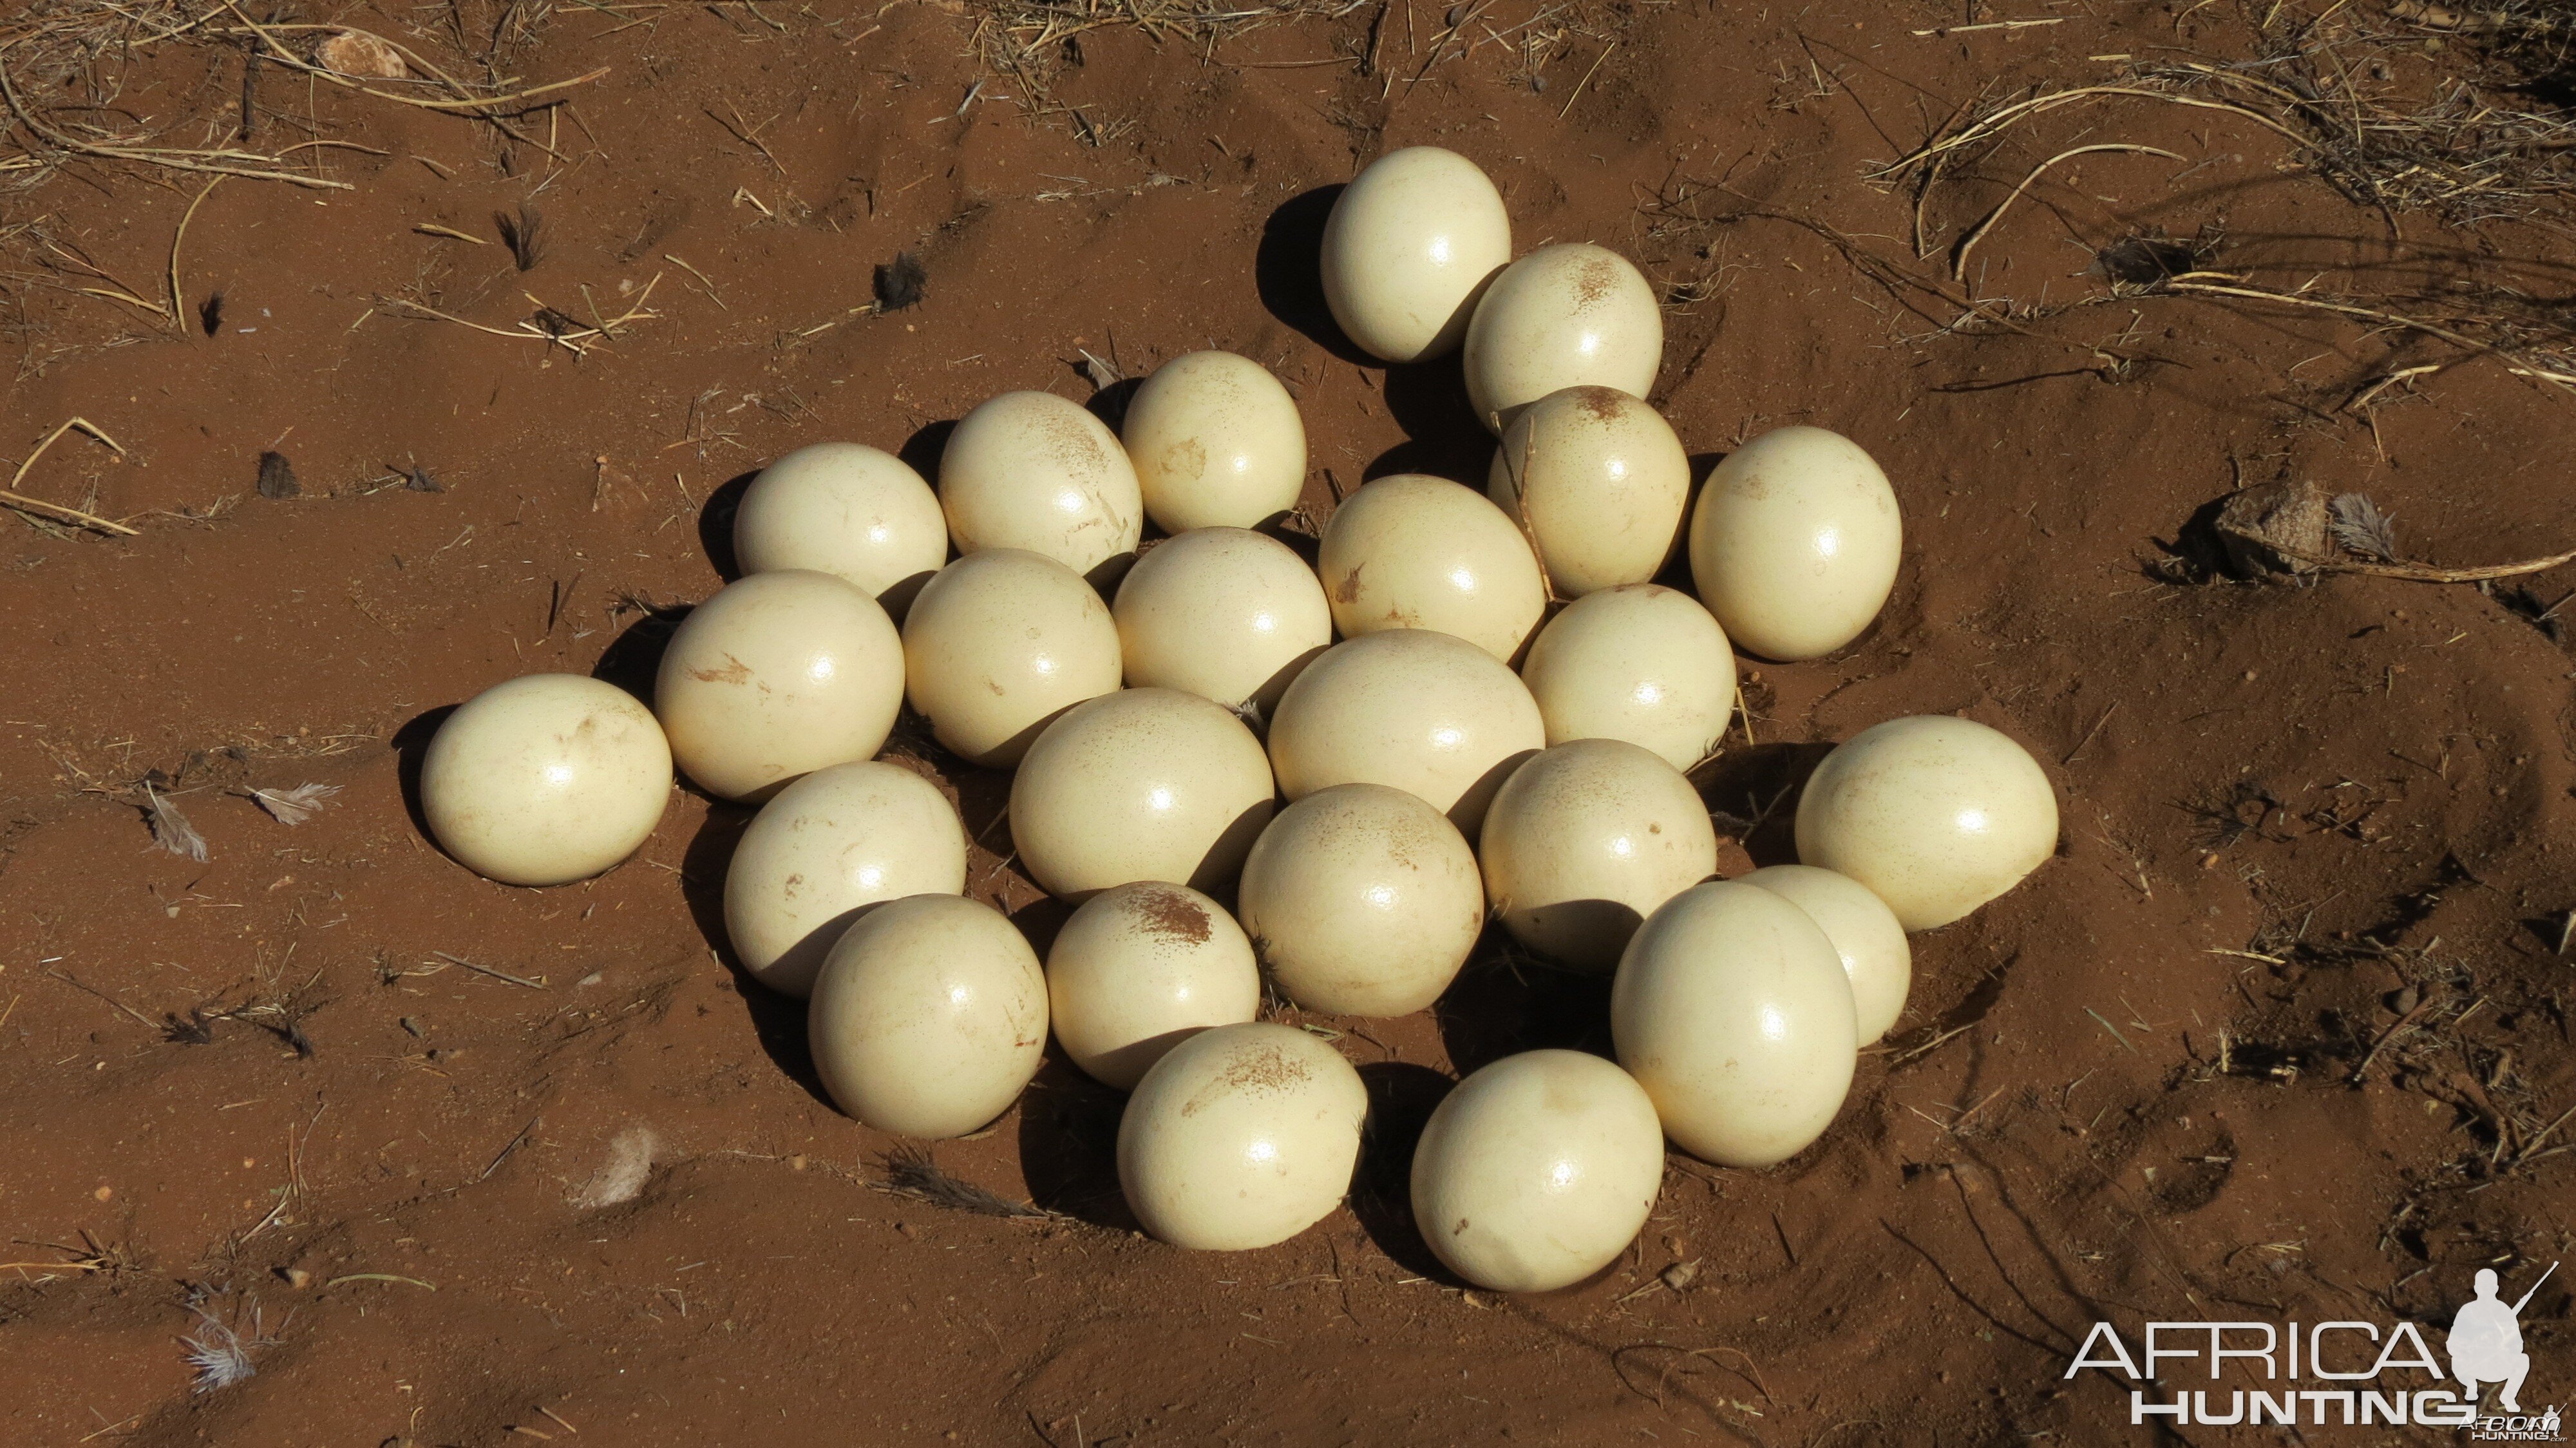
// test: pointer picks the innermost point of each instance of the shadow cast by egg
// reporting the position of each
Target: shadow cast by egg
(715, 525)
(1401, 1097)
(777, 1021)
(1068, 1144)
(1287, 270)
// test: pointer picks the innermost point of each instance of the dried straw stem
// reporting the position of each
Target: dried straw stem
(11, 497)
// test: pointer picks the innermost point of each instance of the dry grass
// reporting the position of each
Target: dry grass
(2411, 110)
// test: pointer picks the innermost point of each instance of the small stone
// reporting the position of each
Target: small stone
(364, 57)
(1679, 1275)
(2274, 528)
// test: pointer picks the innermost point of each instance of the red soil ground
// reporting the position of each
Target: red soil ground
(2163, 1080)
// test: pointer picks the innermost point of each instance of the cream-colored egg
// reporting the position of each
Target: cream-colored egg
(1427, 713)
(1240, 1137)
(826, 848)
(1362, 900)
(1732, 1010)
(1637, 662)
(1142, 784)
(1585, 841)
(929, 1016)
(1935, 815)
(1537, 1171)
(1865, 933)
(1408, 249)
(777, 675)
(1224, 613)
(1599, 483)
(1142, 967)
(1032, 471)
(1795, 541)
(998, 644)
(1414, 551)
(1217, 443)
(545, 779)
(1569, 315)
(848, 510)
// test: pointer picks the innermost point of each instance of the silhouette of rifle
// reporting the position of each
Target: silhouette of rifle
(2535, 1287)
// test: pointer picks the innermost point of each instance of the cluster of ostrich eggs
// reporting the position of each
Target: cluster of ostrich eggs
(1279, 772)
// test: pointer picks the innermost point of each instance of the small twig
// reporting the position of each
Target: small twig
(1993, 25)
(1571, 95)
(380, 1277)
(179, 301)
(2114, 1030)
(2403, 1024)
(2089, 733)
(538, 983)
(2427, 573)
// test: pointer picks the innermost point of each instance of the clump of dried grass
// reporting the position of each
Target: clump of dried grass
(1030, 41)
(218, 1352)
(2406, 107)
(910, 1172)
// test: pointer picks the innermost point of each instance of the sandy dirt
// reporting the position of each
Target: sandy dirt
(2278, 1034)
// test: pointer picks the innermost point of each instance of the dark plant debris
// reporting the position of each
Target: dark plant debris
(900, 282)
(524, 232)
(2144, 261)
(910, 1172)
(277, 477)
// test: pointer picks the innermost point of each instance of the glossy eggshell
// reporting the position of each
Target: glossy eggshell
(1409, 246)
(1223, 613)
(1795, 543)
(1142, 784)
(1638, 662)
(1217, 443)
(998, 644)
(1935, 815)
(1599, 483)
(1864, 932)
(1240, 1137)
(823, 850)
(777, 675)
(545, 779)
(1032, 471)
(1732, 1010)
(1537, 1171)
(1362, 900)
(1585, 841)
(848, 510)
(1424, 712)
(1140, 968)
(1413, 551)
(929, 1016)
(1569, 315)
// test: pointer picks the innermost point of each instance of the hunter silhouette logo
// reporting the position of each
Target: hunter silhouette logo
(2486, 1342)
(2340, 1373)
